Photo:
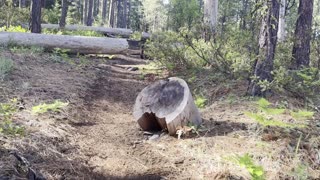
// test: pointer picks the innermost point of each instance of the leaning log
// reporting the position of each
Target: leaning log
(166, 105)
(103, 30)
(75, 44)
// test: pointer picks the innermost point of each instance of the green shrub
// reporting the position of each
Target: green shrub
(6, 66)
(11, 15)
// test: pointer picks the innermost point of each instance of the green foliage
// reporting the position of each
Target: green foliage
(136, 36)
(136, 15)
(300, 172)
(256, 171)
(54, 107)
(6, 66)
(187, 50)
(265, 121)
(31, 50)
(266, 115)
(304, 83)
(302, 114)
(7, 110)
(183, 14)
(11, 15)
(52, 16)
(200, 101)
(61, 55)
(13, 29)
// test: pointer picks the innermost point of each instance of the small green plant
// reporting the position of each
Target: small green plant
(7, 110)
(6, 66)
(265, 115)
(54, 107)
(200, 101)
(302, 114)
(256, 171)
(26, 49)
(61, 55)
(300, 172)
(136, 36)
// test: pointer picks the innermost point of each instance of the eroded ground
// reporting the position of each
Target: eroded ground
(95, 137)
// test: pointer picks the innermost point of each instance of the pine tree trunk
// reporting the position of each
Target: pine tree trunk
(243, 21)
(64, 12)
(90, 13)
(282, 23)
(211, 14)
(301, 47)
(129, 14)
(267, 47)
(85, 11)
(119, 14)
(35, 25)
(111, 13)
(125, 14)
(22, 3)
(96, 6)
(104, 12)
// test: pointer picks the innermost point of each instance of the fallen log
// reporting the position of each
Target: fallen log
(75, 44)
(166, 105)
(103, 30)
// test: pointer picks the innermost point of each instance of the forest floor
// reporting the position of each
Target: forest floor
(96, 137)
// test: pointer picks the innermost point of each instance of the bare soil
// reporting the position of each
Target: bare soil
(96, 137)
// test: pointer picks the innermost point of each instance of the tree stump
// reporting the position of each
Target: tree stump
(166, 105)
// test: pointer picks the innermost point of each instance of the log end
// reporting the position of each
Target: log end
(166, 105)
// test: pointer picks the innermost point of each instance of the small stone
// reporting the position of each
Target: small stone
(154, 137)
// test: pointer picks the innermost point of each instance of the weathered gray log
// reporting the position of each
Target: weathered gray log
(75, 44)
(103, 30)
(166, 104)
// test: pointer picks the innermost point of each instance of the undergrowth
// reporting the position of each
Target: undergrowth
(6, 66)
(256, 171)
(7, 127)
(266, 115)
(56, 106)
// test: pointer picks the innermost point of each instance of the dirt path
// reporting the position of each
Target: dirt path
(97, 138)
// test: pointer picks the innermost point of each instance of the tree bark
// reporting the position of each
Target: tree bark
(104, 12)
(125, 14)
(22, 3)
(85, 11)
(119, 14)
(35, 26)
(129, 14)
(301, 47)
(90, 13)
(211, 14)
(267, 47)
(282, 22)
(64, 11)
(96, 6)
(111, 13)
(166, 105)
(75, 44)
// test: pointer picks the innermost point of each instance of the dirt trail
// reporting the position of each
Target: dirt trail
(97, 138)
